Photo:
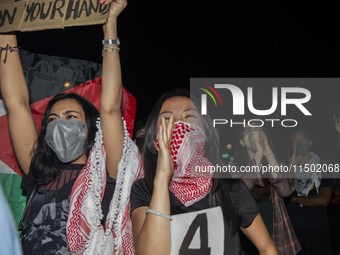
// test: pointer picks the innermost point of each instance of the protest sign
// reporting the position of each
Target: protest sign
(30, 15)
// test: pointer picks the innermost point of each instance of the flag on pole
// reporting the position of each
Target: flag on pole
(47, 76)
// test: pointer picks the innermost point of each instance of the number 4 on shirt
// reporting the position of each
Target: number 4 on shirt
(198, 233)
(200, 223)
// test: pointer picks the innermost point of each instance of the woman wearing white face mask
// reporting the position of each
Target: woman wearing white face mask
(54, 162)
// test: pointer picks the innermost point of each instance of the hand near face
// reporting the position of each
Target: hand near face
(165, 168)
(295, 157)
(337, 124)
(294, 148)
(264, 140)
(256, 141)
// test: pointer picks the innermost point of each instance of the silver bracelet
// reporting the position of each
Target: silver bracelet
(111, 41)
(158, 214)
(110, 49)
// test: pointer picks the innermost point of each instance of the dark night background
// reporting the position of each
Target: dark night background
(164, 43)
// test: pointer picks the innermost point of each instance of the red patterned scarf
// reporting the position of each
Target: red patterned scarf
(192, 178)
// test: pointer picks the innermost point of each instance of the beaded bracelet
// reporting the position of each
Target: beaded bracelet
(110, 49)
(10, 49)
(158, 214)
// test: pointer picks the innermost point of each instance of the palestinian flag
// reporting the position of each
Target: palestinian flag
(47, 76)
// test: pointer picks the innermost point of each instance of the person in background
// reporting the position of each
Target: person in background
(138, 130)
(307, 206)
(336, 118)
(255, 148)
(9, 240)
(333, 208)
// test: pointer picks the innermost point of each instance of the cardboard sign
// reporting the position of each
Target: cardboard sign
(30, 15)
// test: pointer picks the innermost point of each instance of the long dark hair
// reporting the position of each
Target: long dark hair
(45, 165)
(220, 188)
(242, 159)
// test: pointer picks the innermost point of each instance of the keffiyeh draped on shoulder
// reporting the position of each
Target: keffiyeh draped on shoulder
(304, 178)
(85, 234)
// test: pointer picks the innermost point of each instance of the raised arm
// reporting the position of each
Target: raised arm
(337, 125)
(111, 96)
(151, 233)
(15, 94)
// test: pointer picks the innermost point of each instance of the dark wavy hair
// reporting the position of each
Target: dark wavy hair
(302, 132)
(45, 164)
(220, 189)
(241, 158)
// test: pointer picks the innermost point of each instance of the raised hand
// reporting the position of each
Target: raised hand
(117, 6)
(165, 168)
(254, 145)
(337, 124)
(295, 158)
(264, 140)
(256, 141)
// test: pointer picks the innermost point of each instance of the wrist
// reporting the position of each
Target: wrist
(294, 158)
(161, 180)
(110, 25)
(110, 34)
(9, 39)
(267, 152)
(294, 163)
(293, 199)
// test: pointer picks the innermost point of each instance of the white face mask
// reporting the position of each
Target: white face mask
(66, 138)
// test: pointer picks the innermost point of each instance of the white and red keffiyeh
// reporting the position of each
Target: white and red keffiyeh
(85, 234)
(192, 178)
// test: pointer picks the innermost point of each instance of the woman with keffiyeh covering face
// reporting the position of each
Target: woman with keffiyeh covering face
(179, 209)
(54, 160)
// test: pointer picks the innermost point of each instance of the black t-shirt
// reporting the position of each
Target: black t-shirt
(303, 216)
(47, 213)
(200, 226)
